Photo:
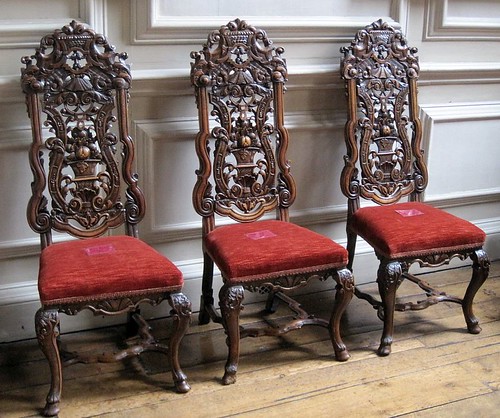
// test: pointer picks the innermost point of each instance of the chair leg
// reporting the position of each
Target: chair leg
(207, 293)
(47, 332)
(272, 303)
(230, 301)
(181, 307)
(344, 294)
(389, 277)
(351, 247)
(480, 271)
(132, 328)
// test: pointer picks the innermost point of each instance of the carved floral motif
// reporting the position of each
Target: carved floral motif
(238, 67)
(78, 77)
(386, 130)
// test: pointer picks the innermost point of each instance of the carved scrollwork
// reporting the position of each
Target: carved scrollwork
(80, 79)
(390, 274)
(345, 279)
(288, 283)
(181, 304)
(111, 306)
(46, 324)
(231, 297)
(381, 70)
(239, 69)
(482, 260)
(436, 260)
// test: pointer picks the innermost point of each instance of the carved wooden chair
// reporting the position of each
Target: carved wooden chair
(385, 164)
(83, 185)
(243, 174)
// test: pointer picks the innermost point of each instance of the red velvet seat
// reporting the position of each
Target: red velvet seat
(414, 229)
(107, 268)
(77, 91)
(259, 251)
(385, 164)
(243, 174)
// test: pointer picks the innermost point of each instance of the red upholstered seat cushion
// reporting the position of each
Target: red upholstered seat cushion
(411, 229)
(103, 268)
(266, 249)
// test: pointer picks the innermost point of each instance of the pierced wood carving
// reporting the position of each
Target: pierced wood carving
(81, 84)
(112, 306)
(81, 157)
(243, 173)
(290, 282)
(240, 75)
(384, 163)
(381, 70)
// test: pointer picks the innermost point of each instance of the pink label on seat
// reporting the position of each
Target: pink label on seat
(409, 212)
(260, 234)
(100, 249)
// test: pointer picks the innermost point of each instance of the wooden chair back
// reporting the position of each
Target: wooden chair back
(77, 92)
(384, 160)
(239, 79)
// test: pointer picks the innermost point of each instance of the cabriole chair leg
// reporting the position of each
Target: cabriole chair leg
(181, 307)
(480, 271)
(343, 295)
(47, 331)
(388, 279)
(230, 300)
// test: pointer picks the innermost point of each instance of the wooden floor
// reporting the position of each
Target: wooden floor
(436, 369)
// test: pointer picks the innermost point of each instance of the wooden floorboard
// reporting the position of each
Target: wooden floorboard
(436, 368)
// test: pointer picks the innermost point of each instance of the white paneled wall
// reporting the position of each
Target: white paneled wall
(459, 50)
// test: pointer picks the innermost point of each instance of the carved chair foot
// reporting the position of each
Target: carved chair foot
(51, 409)
(474, 328)
(182, 386)
(229, 376)
(341, 354)
(385, 347)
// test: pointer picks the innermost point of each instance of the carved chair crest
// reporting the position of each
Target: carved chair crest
(81, 85)
(240, 75)
(383, 128)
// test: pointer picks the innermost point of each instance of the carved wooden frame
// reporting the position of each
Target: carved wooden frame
(81, 85)
(384, 163)
(239, 79)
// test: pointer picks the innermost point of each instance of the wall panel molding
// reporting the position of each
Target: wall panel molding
(147, 132)
(175, 82)
(15, 139)
(19, 248)
(434, 73)
(150, 26)
(460, 112)
(400, 13)
(441, 25)
(431, 115)
(27, 34)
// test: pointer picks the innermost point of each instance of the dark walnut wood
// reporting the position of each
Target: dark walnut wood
(384, 163)
(243, 174)
(81, 156)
